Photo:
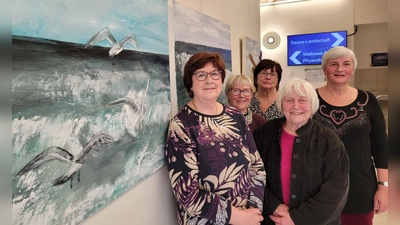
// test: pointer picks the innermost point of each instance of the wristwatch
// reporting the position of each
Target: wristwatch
(384, 183)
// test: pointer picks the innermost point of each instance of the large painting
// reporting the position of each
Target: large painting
(196, 33)
(251, 55)
(90, 104)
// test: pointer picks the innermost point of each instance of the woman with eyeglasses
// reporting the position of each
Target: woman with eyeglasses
(239, 90)
(216, 173)
(267, 75)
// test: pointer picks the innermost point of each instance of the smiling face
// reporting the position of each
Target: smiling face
(241, 101)
(208, 89)
(297, 109)
(339, 70)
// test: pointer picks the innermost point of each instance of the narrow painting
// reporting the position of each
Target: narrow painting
(197, 33)
(251, 55)
(90, 104)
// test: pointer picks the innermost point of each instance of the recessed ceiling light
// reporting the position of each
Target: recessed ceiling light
(275, 2)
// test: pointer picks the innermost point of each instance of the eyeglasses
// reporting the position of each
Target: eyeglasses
(236, 92)
(202, 75)
(265, 74)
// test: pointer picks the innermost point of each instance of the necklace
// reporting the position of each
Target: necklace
(195, 108)
(248, 116)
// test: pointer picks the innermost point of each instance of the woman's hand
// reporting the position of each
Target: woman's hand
(281, 215)
(282, 218)
(280, 210)
(381, 199)
(251, 216)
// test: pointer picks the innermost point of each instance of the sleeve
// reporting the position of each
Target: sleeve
(378, 134)
(257, 173)
(329, 201)
(259, 120)
(271, 202)
(183, 169)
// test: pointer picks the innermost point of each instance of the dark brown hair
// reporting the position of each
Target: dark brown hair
(266, 64)
(197, 61)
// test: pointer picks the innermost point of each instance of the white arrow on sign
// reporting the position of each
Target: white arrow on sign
(293, 57)
(339, 39)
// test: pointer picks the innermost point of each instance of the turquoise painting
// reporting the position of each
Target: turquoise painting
(90, 104)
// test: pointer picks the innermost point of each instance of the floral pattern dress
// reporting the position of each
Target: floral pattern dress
(213, 164)
(270, 114)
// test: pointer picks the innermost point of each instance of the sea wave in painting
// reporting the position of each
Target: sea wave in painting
(63, 96)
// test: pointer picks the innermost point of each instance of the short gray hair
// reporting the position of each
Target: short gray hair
(337, 52)
(240, 79)
(296, 83)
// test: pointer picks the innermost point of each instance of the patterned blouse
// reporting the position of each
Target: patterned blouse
(271, 113)
(213, 164)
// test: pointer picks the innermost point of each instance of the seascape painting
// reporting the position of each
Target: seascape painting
(251, 55)
(89, 109)
(198, 33)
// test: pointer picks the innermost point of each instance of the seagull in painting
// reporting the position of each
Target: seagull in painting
(97, 140)
(126, 100)
(63, 155)
(135, 116)
(48, 154)
(117, 47)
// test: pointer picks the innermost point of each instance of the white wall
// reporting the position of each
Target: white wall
(370, 38)
(370, 16)
(370, 11)
(304, 17)
(151, 202)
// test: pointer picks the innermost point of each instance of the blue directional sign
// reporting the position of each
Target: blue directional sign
(308, 49)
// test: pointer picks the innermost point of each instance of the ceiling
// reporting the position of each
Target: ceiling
(275, 2)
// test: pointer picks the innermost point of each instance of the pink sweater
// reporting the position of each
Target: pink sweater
(286, 163)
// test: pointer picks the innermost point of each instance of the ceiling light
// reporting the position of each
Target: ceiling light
(275, 2)
(271, 40)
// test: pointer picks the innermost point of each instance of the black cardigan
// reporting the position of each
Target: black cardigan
(319, 174)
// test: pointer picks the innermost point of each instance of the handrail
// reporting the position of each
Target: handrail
(382, 97)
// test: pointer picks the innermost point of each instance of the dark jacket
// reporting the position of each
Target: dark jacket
(320, 173)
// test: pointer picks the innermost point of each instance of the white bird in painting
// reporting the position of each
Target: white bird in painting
(135, 116)
(117, 47)
(97, 140)
(46, 155)
(126, 100)
(64, 156)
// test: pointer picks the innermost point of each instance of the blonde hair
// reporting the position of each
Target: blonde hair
(239, 79)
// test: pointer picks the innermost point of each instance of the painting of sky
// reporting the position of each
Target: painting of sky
(191, 26)
(77, 21)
